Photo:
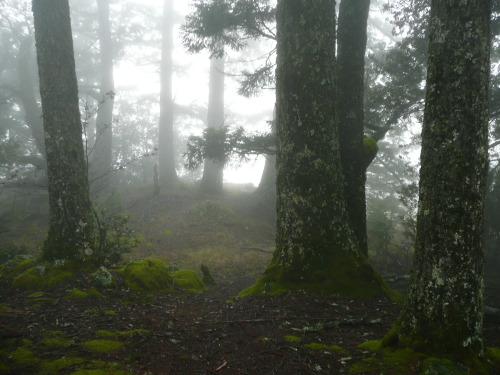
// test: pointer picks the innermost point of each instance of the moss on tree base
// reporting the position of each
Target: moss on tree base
(400, 360)
(347, 276)
(434, 344)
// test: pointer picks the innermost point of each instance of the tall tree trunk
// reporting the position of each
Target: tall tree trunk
(70, 217)
(351, 47)
(166, 153)
(103, 159)
(443, 314)
(315, 246)
(211, 182)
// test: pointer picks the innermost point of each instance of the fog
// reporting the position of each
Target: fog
(143, 251)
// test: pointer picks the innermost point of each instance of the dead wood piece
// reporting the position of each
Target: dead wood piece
(257, 249)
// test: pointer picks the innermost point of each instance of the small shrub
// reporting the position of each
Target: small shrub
(114, 239)
(10, 251)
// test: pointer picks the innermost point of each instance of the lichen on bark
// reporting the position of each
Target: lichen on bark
(316, 248)
(70, 233)
(444, 308)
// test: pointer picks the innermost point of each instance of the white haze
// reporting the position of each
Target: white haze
(191, 87)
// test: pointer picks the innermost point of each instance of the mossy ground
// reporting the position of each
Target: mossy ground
(186, 332)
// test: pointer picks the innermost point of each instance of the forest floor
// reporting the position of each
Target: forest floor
(209, 333)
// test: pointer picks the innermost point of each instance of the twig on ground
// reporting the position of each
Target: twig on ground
(224, 364)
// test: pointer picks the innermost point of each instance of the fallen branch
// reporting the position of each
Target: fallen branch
(257, 249)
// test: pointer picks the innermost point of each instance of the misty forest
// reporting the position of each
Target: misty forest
(250, 187)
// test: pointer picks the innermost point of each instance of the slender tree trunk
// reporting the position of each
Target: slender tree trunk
(353, 16)
(266, 192)
(103, 158)
(26, 92)
(443, 314)
(492, 230)
(70, 217)
(315, 246)
(211, 182)
(166, 153)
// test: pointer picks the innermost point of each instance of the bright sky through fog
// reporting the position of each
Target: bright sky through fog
(191, 87)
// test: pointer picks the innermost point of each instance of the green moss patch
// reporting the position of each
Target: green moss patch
(320, 346)
(102, 345)
(23, 356)
(53, 339)
(291, 338)
(105, 333)
(55, 342)
(14, 267)
(44, 276)
(77, 293)
(189, 280)
(36, 295)
(148, 276)
(57, 366)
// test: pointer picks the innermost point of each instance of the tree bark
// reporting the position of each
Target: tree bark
(166, 153)
(70, 219)
(211, 182)
(316, 248)
(351, 47)
(443, 314)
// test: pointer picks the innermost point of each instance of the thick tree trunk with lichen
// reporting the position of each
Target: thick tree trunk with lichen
(315, 246)
(213, 172)
(166, 153)
(351, 42)
(444, 308)
(70, 217)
